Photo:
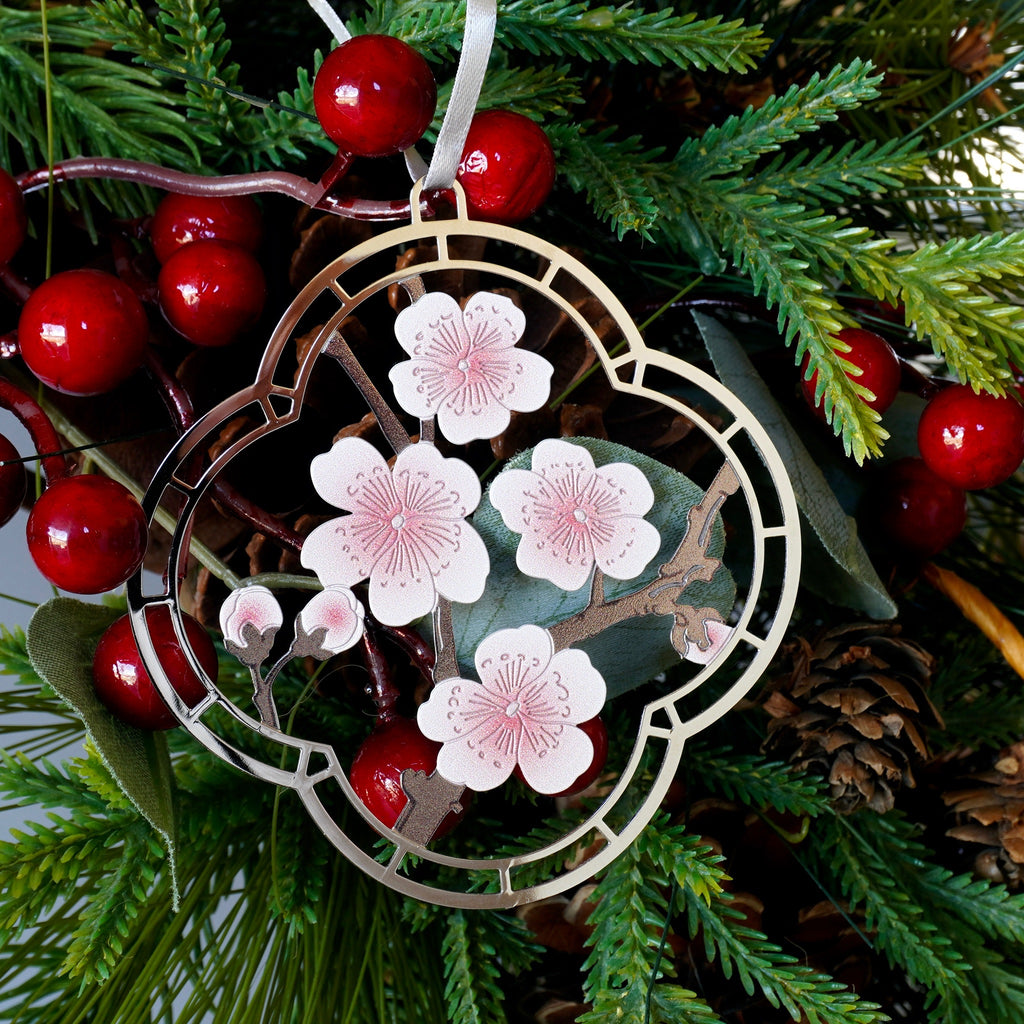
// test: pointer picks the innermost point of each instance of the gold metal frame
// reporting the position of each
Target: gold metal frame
(664, 725)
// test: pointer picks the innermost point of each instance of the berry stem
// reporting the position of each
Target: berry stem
(381, 687)
(15, 286)
(44, 437)
(419, 651)
(307, 192)
(179, 407)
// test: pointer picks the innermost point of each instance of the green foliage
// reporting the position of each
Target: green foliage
(758, 782)
(471, 974)
(950, 933)
(100, 107)
(636, 899)
(566, 28)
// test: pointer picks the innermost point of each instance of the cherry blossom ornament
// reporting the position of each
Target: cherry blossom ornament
(569, 577)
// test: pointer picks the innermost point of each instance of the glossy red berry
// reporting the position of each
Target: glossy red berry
(179, 220)
(211, 291)
(12, 480)
(917, 513)
(507, 167)
(376, 774)
(374, 95)
(83, 332)
(971, 440)
(13, 218)
(878, 362)
(125, 687)
(87, 534)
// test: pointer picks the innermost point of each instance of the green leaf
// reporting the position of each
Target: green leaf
(61, 638)
(852, 580)
(512, 599)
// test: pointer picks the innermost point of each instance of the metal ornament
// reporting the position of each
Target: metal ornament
(630, 573)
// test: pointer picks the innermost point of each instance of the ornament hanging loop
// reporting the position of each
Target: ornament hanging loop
(453, 194)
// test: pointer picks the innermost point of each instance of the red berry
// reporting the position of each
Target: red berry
(879, 364)
(376, 774)
(918, 513)
(507, 167)
(83, 332)
(971, 440)
(598, 733)
(179, 220)
(87, 534)
(12, 480)
(212, 291)
(125, 687)
(13, 218)
(374, 95)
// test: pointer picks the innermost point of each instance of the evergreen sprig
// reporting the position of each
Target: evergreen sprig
(100, 106)
(759, 782)
(609, 172)
(568, 28)
(471, 988)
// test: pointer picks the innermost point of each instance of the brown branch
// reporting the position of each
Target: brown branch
(689, 562)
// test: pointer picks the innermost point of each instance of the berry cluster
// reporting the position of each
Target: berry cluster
(84, 332)
(967, 441)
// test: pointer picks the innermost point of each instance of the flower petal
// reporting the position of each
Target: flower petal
(478, 765)
(432, 326)
(624, 546)
(353, 476)
(509, 494)
(529, 382)
(529, 647)
(554, 456)
(341, 551)
(629, 487)
(462, 574)
(567, 567)
(431, 485)
(400, 591)
(445, 714)
(583, 687)
(553, 759)
(471, 415)
(718, 634)
(493, 321)
(420, 387)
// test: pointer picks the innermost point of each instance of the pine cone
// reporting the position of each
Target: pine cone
(992, 814)
(851, 709)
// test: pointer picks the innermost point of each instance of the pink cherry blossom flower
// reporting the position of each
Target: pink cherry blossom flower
(336, 613)
(465, 368)
(525, 710)
(249, 620)
(572, 516)
(406, 531)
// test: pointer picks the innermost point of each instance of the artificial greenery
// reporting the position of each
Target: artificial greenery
(799, 167)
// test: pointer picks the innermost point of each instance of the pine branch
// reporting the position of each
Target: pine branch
(113, 906)
(728, 148)
(904, 931)
(829, 175)
(630, 916)
(471, 974)
(565, 28)
(537, 91)
(610, 173)
(100, 106)
(758, 782)
(759, 964)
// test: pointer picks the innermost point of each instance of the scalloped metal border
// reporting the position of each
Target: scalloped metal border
(317, 763)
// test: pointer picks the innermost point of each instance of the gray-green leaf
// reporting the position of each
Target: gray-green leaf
(852, 580)
(60, 642)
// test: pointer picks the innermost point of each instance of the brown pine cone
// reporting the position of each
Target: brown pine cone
(851, 709)
(991, 813)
